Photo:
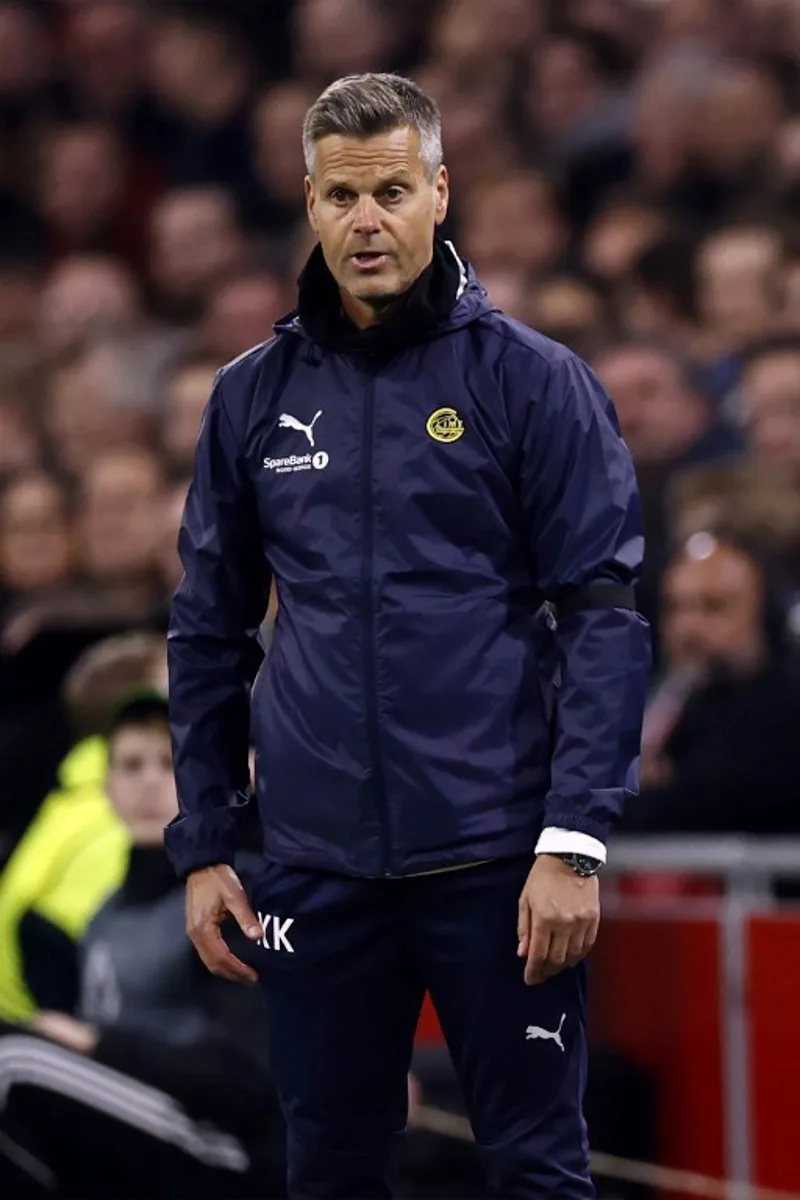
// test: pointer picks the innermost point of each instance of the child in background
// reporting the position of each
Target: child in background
(158, 1084)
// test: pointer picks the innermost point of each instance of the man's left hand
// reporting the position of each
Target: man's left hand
(559, 915)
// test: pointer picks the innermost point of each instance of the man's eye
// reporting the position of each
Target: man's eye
(339, 196)
(393, 194)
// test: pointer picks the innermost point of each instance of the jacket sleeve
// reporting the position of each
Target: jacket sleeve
(583, 517)
(49, 959)
(213, 646)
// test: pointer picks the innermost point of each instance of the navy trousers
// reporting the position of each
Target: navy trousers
(345, 966)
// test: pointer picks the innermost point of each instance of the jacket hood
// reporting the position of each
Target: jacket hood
(446, 297)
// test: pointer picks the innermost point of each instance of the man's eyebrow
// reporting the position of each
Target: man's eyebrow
(401, 176)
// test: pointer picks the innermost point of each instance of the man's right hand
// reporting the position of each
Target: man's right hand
(211, 894)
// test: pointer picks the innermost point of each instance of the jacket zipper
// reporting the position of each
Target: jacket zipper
(370, 660)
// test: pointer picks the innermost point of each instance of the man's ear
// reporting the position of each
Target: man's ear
(311, 203)
(442, 195)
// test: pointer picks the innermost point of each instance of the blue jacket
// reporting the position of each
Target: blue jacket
(416, 511)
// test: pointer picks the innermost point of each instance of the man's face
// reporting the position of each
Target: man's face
(771, 404)
(140, 783)
(712, 610)
(374, 210)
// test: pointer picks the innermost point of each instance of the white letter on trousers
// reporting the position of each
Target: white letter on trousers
(279, 938)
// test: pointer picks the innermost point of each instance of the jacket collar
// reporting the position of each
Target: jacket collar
(446, 296)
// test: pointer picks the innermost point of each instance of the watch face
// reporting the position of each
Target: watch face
(583, 864)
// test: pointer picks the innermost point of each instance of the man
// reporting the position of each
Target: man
(719, 751)
(770, 400)
(419, 474)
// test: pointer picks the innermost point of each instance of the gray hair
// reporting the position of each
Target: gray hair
(361, 106)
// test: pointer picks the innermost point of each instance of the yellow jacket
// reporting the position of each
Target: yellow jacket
(74, 821)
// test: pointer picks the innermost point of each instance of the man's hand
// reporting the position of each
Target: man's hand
(212, 893)
(66, 1030)
(559, 914)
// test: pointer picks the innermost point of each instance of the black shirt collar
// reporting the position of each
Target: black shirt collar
(429, 300)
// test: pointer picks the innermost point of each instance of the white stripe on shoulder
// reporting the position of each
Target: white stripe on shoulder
(462, 271)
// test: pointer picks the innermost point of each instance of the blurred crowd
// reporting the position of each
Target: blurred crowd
(625, 178)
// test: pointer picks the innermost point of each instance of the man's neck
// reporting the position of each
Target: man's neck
(364, 315)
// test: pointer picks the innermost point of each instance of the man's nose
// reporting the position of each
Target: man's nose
(366, 219)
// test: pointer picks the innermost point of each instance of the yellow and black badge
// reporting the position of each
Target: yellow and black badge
(445, 425)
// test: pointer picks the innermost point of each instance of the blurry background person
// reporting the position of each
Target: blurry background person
(74, 818)
(720, 747)
(151, 1081)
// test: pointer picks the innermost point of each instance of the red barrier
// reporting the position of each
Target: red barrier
(774, 995)
(655, 994)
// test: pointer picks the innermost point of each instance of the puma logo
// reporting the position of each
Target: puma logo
(287, 421)
(547, 1035)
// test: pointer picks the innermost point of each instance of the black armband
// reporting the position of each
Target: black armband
(593, 596)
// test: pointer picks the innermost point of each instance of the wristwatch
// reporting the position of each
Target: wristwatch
(581, 864)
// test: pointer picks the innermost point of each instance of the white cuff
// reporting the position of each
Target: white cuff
(553, 840)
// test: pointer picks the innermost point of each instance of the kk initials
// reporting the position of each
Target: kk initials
(273, 933)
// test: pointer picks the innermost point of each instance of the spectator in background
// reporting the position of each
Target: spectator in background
(657, 296)
(770, 402)
(202, 74)
(20, 448)
(36, 544)
(513, 221)
(188, 387)
(88, 195)
(569, 307)
(666, 421)
(618, 236)
(23, 51)
(578, 102)
(241, 313)
(790, 293)
(759, 499)
(121, 496)
(167, 558)
(84, 296)
(81, 419)
(19, 301)
(341, 37)
(669, 425)
(195, 241)
(738, 124)
(738, 297)
(278, 154)
(159, 1083)
(719, 750)
(480, 144)
(75, 817)
(508, 289)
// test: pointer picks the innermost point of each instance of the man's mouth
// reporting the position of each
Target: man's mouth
(369, 258)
